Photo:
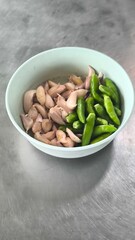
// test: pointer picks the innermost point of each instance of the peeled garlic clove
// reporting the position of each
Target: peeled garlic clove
(46, 125)
(76, 80)
(54, 115)
(41, 110)
(61, 136)
(64, 114)
(46, 86)
(55, 142)
(73, 136)
(40, 93)
(52, 84)
(33, 113)
(62, 103)
(80, 86)
(28, 100)
(81, 92)
(26, 121)
(41, 138)
(69, 142)
(88, 78)
(39, 118)
(36, 127)
(50, 135)
(53, 91)
(54, 128)
(72, 100)
(61, 89)
(49, 103)
(66, 94)
(70, 86)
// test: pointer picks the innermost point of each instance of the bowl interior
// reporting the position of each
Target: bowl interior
(59, 63)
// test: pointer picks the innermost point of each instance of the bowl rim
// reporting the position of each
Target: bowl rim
(64, 149)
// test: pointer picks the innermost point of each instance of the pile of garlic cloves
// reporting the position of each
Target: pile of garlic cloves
(46, 108)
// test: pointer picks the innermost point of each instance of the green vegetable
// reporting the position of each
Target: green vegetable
(89, 105)
(109, 92)
(101, 121)
(94, 88)
(78, 125)
(88, 129)
(110, 110)
(71, 117)
(118, 111)
(101, 137)
(81, 109)
(101, 112)
(98, 130)
(110, 84)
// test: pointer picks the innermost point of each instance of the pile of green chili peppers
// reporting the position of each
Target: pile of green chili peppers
(99, 114)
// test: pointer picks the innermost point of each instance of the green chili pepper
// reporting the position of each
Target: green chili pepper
(94, 88)
(101, 137)
(89, 105)
(88, 129)
(71, 117)
(118, 111)
(110, 110)
(109, 83)
(101, 121)
(81, 109)
(109, 92)
(78, 125)
(101, 112)
(100, 129)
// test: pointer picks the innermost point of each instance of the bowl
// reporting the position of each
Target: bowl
(61, 62)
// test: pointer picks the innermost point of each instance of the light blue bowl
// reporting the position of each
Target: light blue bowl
(61, 62)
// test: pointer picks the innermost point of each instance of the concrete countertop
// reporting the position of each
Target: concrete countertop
(47, 198)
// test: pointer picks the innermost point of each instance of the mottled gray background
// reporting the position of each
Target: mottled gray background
(47, 198)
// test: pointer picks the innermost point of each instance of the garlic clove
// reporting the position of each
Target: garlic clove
(76, 80)
(41, 138)
(61, 88)
(36, 127)
(50, 135)
(39, 118)
(33, 113)
(55, 116)
(61, 136)
(49, 103)
(46, 125)
(55, 142)
(40, 93)
(64, 114)
(69, 142)
(66, 94)
(46, 86)
(81, 92)
(41, 110)
(81, 86)
(26, 121)
(70, 86)
(88, 78)
(52, 84)
(53, 91)
(28, 100)
(62, 103)
(73, 136)
(72, 100)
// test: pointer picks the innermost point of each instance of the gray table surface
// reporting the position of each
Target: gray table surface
(43, 197)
